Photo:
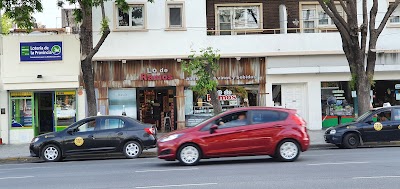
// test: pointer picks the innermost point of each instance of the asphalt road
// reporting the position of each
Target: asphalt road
(317, 169)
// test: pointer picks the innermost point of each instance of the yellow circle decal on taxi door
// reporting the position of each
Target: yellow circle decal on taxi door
(398, 127)
(78, 141)
(378, 126)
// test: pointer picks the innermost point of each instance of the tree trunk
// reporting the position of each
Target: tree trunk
(215, 102)
(363, 89)
(86, 38)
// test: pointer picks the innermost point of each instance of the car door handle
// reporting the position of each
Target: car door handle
(91, 136)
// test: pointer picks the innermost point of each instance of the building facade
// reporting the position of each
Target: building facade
(286, 53)
(39, 85)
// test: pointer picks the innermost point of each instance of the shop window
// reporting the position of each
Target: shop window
(122, 100)
(21, 113)
(336, 103)
(65, 108)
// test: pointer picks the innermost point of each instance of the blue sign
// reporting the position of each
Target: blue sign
(41, 51)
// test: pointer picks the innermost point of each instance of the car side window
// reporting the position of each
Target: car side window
(266, 116)
(111, 123)
(88, 125)
(382, 116)
(232, 120)
(396, 114)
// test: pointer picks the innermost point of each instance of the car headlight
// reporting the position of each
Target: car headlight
(332, 132)
(170, 137)
(35, 139)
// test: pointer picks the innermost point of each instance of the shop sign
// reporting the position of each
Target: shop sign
(223, 96)
(65, 93)
(41, 51)
(152, 74)
(242, 77)
(21, 94)
(397, 86)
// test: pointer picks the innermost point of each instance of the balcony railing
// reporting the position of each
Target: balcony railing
(270, 31)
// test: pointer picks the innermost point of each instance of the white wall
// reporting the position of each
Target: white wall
(4, 126)
(18, 75)
(155, 42)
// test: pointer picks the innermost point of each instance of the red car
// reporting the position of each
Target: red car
(277, 132)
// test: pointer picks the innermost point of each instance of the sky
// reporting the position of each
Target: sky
(51, 15)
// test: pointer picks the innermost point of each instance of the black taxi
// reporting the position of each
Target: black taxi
(98, 134)
(377, 125)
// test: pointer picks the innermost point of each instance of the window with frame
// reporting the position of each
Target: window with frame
(175, 15)
(266, 116)
(395, 17)
(88, 125)
(314, 17)
(240, 17)
(134, 18)
(382, 116)
(232, 120)
(111, 123)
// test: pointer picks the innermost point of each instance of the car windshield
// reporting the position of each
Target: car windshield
(365, 115)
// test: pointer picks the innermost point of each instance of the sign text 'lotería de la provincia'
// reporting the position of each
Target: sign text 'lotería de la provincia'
(41, 51)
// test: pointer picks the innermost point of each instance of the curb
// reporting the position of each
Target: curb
(153, 154)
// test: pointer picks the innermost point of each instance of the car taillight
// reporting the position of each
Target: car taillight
(150, 131)
(298, 120)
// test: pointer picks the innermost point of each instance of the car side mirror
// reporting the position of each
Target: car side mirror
(213, 128)
(70, 131)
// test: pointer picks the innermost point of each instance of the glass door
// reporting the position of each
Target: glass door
(64, 109)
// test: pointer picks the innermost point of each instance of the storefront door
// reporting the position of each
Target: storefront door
(44, 112)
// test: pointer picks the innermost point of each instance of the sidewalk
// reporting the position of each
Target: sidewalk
(20, 152)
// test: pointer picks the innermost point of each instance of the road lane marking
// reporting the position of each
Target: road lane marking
(163, 170)
(177, 185)
(5, 178)
(341, 163)
(309, 155)
(24, 168)
(376, 177)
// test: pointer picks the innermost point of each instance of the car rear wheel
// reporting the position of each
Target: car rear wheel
(287, 150)
(351, 140)
(189, 154)
(132, 149)
(51, 153)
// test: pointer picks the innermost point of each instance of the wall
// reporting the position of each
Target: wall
(18, 75)
(157, 43)
(313, 86)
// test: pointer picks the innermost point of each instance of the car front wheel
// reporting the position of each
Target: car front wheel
(51, 153)
(132, 149)
(351, 140)
(189, 154)
(287, 150)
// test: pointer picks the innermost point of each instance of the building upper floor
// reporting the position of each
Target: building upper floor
(39, 61)
(173, 28)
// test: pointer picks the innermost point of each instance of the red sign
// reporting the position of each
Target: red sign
(223, 97)
(149, 77)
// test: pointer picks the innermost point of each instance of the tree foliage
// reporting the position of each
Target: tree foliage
(6, 24)
(359, 41)
(204, 67)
